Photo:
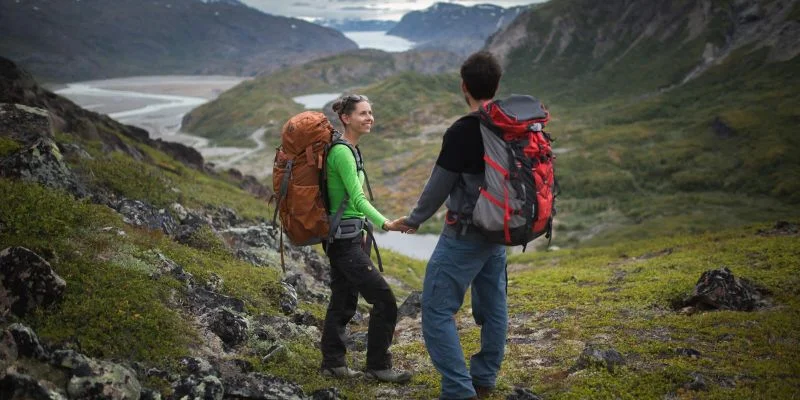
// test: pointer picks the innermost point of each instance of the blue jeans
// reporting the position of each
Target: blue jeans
(454, 265)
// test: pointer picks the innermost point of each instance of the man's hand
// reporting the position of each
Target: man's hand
(398, 225)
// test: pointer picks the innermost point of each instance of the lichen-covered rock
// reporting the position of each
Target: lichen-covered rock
(522, 394)
(230, 327)
(138, 213)
(261, 386)
(280, 328)
(719, 289)
(412, 306)
(594, 356)
(103, 380)
(197, 366)
(26, 342)
(357, 341)
(150, 394)
(196, 388)
(40, 160)
(27, 281)
(288, 299)
(306, 318)
(202, 299)
(326, 394)
(15, 386)
(69, 359)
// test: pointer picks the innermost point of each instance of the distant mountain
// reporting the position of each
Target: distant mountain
(580, 50)
(88, 39)
(454, 27)
(266, 101)
(357, 25)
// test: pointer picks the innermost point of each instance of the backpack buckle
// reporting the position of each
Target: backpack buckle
(535, 127)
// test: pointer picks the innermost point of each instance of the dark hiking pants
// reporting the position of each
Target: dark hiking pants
(352, 273)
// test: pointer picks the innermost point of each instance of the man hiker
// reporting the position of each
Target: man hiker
(463, 257)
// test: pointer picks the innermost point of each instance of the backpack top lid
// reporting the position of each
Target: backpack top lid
(515, 114)
(303, 130)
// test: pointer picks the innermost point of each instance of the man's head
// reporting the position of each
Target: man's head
(481, 74)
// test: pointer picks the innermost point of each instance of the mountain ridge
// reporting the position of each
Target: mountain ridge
(90, 39)
(454, 27)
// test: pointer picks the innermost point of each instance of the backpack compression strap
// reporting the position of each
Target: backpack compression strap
(284, 189)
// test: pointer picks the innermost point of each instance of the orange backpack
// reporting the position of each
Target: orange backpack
(296, 178)
(300, 183)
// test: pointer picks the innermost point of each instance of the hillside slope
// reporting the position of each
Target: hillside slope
(67, 41)
(671, 118)
(267, 100)
(128, 272)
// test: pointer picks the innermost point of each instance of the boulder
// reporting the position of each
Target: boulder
(412, 305)
(326, 394)
(522, 394)
(141, 214)
(594, 356)
(15, 386)
(40, 160)
(261, 386)
(94, 379)
(201, 299)
(288, 299)
(719, 289)
(197, 366)
(27, 281)
(198, 388)
(26, 342)
(230, 327)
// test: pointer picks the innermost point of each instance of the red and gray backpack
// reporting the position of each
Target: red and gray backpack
(516, 202)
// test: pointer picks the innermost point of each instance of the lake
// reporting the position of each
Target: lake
(419, 246)
(379, 40)
(315, 101)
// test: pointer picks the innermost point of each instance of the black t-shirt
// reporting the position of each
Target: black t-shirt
(462, 147)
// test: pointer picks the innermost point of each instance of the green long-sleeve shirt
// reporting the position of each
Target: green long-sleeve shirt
(343, 177)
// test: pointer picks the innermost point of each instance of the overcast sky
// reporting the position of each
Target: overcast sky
(360, 9)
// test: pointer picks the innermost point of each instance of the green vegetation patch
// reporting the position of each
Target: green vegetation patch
(621, 296)
(112, 308)
(8, 146)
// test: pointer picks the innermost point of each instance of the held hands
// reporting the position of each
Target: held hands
(398, 225)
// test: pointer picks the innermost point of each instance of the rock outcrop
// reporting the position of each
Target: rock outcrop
(27, 281)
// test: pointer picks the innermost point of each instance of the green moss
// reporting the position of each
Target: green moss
(112, 307)
(8, 146)
(258, 287)
(133, 179)
(113, 312)
(206, 239)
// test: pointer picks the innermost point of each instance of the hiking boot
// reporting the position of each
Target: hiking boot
(483, 391)
(341, 372)
(389, 375)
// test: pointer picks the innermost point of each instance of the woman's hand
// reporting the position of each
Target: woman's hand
(398, 225)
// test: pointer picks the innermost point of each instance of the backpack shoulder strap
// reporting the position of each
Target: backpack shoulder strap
(359, 161)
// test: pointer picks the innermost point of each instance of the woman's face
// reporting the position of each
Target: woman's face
(361, 119)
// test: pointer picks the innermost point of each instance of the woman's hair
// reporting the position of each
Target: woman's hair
(347, 104)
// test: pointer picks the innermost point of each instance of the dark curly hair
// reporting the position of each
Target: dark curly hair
(481, 74)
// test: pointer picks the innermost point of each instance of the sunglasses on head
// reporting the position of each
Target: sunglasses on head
(355, 98)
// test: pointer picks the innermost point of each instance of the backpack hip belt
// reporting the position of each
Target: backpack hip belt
(349, 228)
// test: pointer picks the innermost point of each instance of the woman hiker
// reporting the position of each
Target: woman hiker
(352, 271)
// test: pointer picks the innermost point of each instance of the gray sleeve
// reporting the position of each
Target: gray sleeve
(439, 186)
